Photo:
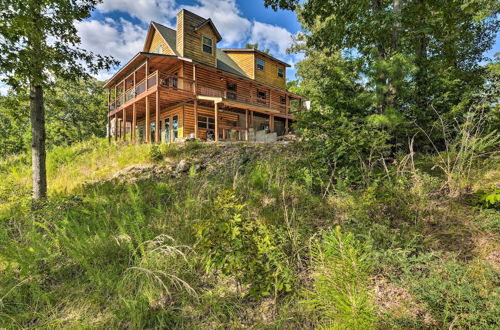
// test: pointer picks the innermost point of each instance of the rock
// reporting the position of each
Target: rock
(182, 166)
(138, 172)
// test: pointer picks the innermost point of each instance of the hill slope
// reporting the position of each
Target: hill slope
(236, 235)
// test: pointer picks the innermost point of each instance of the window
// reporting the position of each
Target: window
(159, 50)
(261, 94)
(207, 45)
(260, 64)
(282, 100)
(231, 90)
(205, 122)
(281, 73)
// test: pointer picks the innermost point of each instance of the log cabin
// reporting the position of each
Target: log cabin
(182, 86)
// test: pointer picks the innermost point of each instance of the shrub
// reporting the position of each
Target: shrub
(489, 198)
(243, 247)
(341, 148)
(341, 291)
(155, 153)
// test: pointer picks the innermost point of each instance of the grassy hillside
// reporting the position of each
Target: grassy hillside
(230, 236)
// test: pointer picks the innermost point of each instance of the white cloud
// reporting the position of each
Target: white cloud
(227, 18)
(4, 88)
(120, 39)
(274, 37)
(145, 10)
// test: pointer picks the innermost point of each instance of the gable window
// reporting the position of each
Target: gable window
(207, 44)
(159, 50)
(260, 64)
(281, 73)
(205, 122)
(261, 94)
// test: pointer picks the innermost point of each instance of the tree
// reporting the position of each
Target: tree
(437, 59)
(74, 112)
(39, 41)
(256, 46)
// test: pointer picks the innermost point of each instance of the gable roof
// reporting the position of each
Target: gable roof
(253, 50)
(224, 62)
(168, 34)
(209, 22)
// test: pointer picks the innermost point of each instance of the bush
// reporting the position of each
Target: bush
(341, 148)
(341, 291)
(236, 245)
(155, 153)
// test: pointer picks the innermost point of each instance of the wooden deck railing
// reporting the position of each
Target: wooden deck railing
(206, 90)
(176, 82)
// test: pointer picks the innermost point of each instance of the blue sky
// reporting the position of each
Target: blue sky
(118, 27)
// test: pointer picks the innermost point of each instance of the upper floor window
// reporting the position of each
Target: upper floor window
(159, 50)
(231, 90)
(282, 100)
(231, 86)
(207, 44)
(260, 64)
(281, 73)
(261, 94)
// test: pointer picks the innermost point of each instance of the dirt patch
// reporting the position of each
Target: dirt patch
(398, 302)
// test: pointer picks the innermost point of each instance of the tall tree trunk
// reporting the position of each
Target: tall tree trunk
(421, 82)
(38, 154)
(396, 27)
(381, 79)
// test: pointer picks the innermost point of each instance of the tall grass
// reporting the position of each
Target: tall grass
(119, 252)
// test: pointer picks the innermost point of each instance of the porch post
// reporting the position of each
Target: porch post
(107, 115)
(147, 73)
(252, 119)
(157, 118)
(115, 133)
(287, 105)
(195, 118)
(148, 124)
(124, 124)
(246, 124)
(124, 88)
(134, 123)
(271, 123)
(216, 111)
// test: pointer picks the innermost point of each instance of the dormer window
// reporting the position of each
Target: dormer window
(207, 45)
(281, 73)
(159, 50)
(260, 64)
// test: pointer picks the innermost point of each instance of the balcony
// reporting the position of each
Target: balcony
(228, 95)
(163, 81)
